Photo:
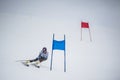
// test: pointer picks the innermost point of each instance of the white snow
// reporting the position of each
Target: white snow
(26, 26)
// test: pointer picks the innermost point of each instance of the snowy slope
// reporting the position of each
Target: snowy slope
(27, 26)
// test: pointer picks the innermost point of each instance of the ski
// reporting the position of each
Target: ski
(24, 62)
(36, 65)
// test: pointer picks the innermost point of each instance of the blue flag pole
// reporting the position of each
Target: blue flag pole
(52, 55)
(64, 57)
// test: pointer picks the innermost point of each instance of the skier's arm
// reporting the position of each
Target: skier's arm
(40, 54)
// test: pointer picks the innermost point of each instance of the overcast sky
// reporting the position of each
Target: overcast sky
(102, 12)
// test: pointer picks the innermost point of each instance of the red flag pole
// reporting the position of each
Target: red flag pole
(90, 35)
(81, 30)
(81, 33)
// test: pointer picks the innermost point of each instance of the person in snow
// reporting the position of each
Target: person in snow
(43, 55)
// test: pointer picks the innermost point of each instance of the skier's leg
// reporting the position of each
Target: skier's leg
(33, 60)
(39, 60)
(42, 59)
(36, 64)
(29, 61)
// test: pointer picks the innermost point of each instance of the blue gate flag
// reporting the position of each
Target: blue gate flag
(58, 45)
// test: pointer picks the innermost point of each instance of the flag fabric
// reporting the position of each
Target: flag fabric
(84, 25)
(58, 45)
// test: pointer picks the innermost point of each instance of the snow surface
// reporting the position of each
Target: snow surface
(26, 26)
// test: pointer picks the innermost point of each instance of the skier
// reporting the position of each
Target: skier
(42, 57)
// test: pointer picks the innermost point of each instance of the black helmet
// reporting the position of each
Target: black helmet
(44, 49)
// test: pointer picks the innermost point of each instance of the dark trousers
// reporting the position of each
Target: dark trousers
(36, 59)
(33, 60)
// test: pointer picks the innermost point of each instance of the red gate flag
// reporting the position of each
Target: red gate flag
(84, 25)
